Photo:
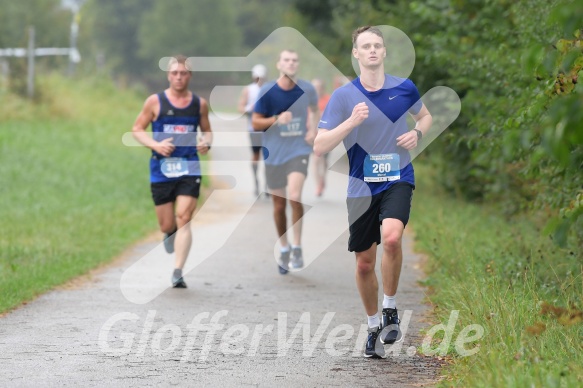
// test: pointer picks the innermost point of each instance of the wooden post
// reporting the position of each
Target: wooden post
(30, 52)
(73, 41)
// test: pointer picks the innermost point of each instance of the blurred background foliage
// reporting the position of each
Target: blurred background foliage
(515, 64)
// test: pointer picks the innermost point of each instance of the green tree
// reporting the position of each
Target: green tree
(110, 29)
(204, 28)
(516, 66)
(259, 18)
(51, 23)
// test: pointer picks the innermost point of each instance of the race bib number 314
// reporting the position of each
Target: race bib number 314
(381, 168)
(174, 167)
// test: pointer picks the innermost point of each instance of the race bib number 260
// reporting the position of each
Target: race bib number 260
(381, 168)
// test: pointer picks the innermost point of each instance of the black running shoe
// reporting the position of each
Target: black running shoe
(169, 241)
(296, 260)
(373, 349)
(178, 282)
(283, 263)
(390, 332)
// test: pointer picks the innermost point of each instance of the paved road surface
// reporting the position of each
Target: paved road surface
(239, 323)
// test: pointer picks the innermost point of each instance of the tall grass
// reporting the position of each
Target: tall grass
(506, 276)
(72, 195)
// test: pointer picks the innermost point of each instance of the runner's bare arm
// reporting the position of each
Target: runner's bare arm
(206, 140)
(145, 117)
(313, 120)
(243, 100)
(262, 123)
(326, 139)
(423, 122)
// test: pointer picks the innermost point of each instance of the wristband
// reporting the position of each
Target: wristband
(419, 133)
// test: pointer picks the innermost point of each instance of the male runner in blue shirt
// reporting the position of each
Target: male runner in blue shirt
(288, 113)
(369, 116)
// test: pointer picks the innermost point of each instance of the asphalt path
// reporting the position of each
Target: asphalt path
(239, 322)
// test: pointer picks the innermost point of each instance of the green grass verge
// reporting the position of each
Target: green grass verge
(504, 275)
(73, 196)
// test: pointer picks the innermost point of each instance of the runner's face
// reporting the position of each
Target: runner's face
(370, 50)
(179, 77)
(288, 64)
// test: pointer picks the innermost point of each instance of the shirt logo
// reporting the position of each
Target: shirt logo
(390, 98)
(173, 128)
(170, 112)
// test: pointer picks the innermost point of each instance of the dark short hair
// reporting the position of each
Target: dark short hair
(371, 29)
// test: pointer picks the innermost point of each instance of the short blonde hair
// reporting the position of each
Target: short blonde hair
(180, 59)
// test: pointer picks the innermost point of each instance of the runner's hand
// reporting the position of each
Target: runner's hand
(359, 114)
(284, 117)
(165, 147)
(407, 140)
(310, 137)
(202, 147)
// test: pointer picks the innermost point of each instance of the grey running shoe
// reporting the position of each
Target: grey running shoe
(169, 241)
(373, 349)
(390, 332)
(283, 263)
(178, 282)
(296, 261)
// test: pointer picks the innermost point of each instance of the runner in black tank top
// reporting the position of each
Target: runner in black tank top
(176, 116)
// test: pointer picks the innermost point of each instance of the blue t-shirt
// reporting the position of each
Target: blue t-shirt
(181, 124)
(376, 162)
(281, 143)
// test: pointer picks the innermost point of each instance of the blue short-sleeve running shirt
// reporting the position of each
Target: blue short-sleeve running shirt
(282, 143)
(376, 162)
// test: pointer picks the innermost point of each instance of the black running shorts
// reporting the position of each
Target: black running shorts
(256, 139)
(276, 176)
(165, 192)
(365, 214)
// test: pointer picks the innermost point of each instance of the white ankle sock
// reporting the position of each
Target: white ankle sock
(373, 321)
(389, 302)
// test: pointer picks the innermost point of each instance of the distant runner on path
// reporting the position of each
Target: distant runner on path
(287, 111)
(247, 101)
(320, 162)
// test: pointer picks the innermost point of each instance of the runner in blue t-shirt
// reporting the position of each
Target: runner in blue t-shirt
(288, 113)
(175, 115)
(369, 116)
